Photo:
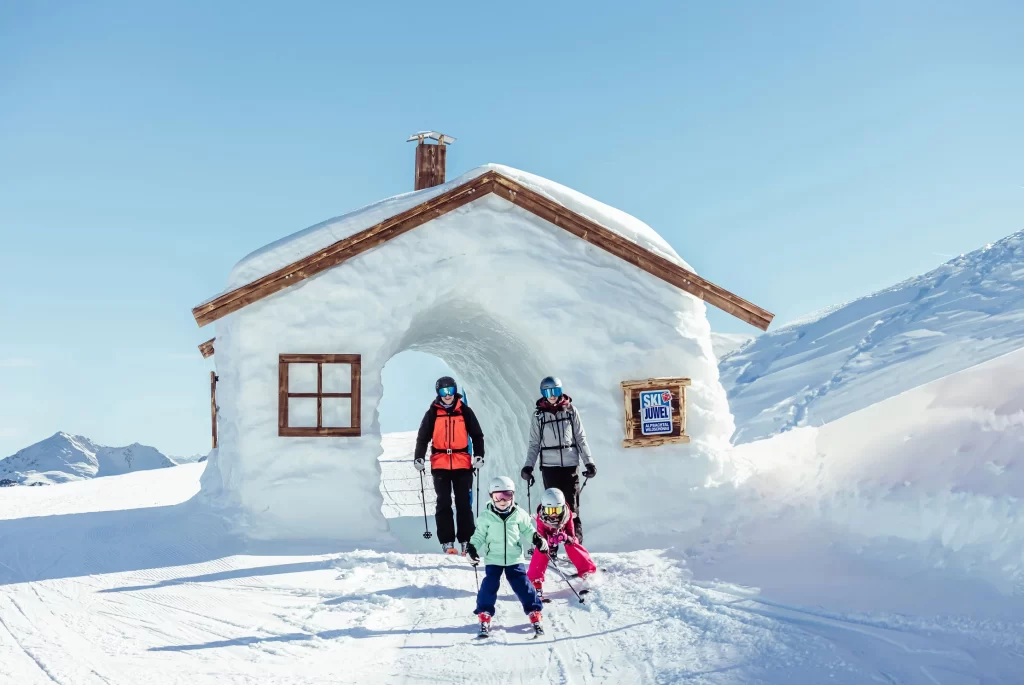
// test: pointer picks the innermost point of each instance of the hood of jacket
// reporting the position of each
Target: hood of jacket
(563, 404)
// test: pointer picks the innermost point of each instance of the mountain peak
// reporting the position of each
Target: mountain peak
(65, 457)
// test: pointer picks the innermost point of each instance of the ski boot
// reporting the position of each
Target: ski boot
(485, 624)
(463, 548)
(538, 585)
(448, 548)
(538, 628)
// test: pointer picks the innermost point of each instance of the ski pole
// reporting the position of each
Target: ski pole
(580, 492)
(559, 571)
(423, 498)
(477, 500)
(476, 574)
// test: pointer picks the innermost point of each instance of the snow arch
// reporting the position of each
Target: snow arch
(489, 357)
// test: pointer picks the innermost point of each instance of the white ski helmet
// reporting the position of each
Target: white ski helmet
(502, 484)
(552, 508)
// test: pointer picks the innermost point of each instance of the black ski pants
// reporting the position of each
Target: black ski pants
(566, 479)
(461, 482)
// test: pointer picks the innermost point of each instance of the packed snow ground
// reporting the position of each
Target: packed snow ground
(126, 580)
(851, 356)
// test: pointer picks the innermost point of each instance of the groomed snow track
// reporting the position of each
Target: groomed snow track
(147, 588)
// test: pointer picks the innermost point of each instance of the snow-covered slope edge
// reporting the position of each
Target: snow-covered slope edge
(64, 458)
(848, 357)
(935, 474)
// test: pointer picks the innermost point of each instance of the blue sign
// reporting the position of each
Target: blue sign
(655, 412)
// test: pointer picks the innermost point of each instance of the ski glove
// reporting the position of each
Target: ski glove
(478, 462)
(527, 475)
(590, 471)
(540, 543)
(420, 464)
(471, 551)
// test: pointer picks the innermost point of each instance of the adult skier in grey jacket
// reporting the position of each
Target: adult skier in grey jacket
(557, 438)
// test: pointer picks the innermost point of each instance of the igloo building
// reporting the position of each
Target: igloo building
(507, 277)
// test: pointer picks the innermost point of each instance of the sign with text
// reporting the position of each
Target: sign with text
(655, 412)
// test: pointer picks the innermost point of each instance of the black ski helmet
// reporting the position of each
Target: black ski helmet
(445, 382)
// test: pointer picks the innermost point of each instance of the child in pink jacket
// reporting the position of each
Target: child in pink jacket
(554, 523)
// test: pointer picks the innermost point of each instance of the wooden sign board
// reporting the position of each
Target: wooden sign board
(655, 411)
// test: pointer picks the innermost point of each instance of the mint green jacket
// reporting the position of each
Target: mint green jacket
(501, 542)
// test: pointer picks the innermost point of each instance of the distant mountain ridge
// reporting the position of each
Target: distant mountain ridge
(64, 458)
(847, 357)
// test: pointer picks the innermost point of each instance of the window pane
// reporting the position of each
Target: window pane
(302, 378)
(302, 411)
(337, 378)
(337, 412)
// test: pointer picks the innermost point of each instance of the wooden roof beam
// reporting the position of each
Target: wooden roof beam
(523, 197)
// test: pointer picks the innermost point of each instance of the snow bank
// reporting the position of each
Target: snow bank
(504, 298)
(938, 469)
(848, 357)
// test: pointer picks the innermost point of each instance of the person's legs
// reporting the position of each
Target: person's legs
(580, 558)
(521, 585)
(443, 517)
(462, 482)
(538, 566)
(488, 592)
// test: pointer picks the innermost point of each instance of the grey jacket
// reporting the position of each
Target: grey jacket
(557, 437)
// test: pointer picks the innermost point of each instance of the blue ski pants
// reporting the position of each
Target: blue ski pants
(521, 585)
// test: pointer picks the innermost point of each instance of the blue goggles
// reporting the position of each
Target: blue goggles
(446, 392)
(551, 392)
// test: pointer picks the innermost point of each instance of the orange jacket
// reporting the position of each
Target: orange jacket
(449, 429)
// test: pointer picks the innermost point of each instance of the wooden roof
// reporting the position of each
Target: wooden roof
(489, 182)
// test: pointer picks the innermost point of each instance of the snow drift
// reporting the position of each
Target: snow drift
(848, 357)
(929, 480)
(504, 298)
(64, 458)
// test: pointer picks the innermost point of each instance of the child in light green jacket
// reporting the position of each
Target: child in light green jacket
(503, 532)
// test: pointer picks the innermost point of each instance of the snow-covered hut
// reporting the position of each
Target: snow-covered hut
(507, 277)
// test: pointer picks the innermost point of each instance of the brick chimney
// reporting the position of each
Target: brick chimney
(430, 158)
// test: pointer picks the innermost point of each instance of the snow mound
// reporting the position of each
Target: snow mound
(929, 480)
(291, 248)
(64, 458)
(848, 357)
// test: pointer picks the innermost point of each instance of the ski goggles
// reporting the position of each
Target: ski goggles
(502, 496)
(446, 392)
(553, 511)
(551, 392)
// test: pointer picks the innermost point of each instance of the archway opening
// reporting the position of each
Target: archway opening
(500, 373)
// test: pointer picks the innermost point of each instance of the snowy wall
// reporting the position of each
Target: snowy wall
(504, 298)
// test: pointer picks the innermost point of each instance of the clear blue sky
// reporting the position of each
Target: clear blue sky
(798, 153)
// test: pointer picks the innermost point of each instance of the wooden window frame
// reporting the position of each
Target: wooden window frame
(284, 430)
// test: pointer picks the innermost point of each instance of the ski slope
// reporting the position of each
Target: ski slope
(125, 580)
(851, 356)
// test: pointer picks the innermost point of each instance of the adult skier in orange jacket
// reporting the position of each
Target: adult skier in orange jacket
(448, 426)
